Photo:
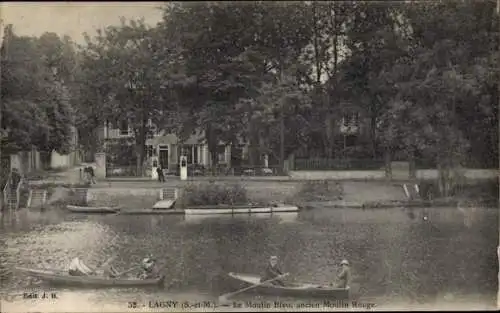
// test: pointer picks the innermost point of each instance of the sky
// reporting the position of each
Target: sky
(73, 18)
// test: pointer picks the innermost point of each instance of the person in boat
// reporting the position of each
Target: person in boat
(148, 266)
(344, 277)
(108, 270)
(78, 268)
(272, 271)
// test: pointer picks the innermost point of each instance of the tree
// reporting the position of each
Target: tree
(122, 62)
(441, 77)
(35, 106)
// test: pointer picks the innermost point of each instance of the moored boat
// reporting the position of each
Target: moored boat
(226, 209)
(62, 277)
(296, 289)
(164, 204)
(281, 217)
(152, 212)
(90, 209)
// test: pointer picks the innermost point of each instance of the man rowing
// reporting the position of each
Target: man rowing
(273, 271)
(344, 277)
(148, 266)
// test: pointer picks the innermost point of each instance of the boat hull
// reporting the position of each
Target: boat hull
(152, 212)
(96, 210)
(300, 290)
(240, 210)
(63, 278)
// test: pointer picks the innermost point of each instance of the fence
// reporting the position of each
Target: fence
(319, 164)
(122, 171)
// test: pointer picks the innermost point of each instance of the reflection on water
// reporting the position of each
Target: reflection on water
(395, 253)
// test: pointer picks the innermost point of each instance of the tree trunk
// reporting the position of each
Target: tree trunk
(316, 44)
(413, 170)
(212, 146)
(282, 123)
(387, 161)
(335, 40)
(141, 141)
(373, 135)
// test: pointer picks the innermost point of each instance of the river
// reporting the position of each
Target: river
(436, 258)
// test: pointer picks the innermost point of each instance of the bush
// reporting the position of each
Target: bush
(478, 189)
(214, 194)
(74, 198)
(312, 190)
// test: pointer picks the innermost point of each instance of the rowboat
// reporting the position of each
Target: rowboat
(164, 204)
(90, 209)
(281, 217)
(227, 209)
(151, 212)
(297, 289)
(62, 277)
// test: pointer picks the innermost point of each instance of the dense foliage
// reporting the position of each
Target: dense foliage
(421, 77)
(213, 194)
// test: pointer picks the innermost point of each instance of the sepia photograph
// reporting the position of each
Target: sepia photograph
(249, 156)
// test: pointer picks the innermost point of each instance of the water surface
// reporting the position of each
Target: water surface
(421, 257)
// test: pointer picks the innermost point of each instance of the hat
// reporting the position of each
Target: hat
(273, 257)
(344, 262)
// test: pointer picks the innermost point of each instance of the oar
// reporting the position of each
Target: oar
(127, 271)
(93, 271)
(223, 298)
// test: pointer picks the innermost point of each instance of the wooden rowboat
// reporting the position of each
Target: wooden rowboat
(151, 212)
(239, 209)
(62, 277)
(297, 289)
(90, 209)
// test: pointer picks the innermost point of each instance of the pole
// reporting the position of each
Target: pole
(282, 125)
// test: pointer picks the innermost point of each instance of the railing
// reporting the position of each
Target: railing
(6, 190)
(122, 171)
(318, 164)
(18, 191)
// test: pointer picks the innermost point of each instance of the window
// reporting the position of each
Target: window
(187, 150)
(124, 128)
(350, 119)
(149, 151)
(350, 123)
(221, 154)
(195, 154)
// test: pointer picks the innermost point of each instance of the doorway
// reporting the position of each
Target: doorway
(163, 156)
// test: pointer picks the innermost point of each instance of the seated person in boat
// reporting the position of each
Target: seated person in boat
(108, 270)
(344, 277)
(78, 268)
(148, 268)
(272, 271)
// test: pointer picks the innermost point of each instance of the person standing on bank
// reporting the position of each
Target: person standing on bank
(159, 171)
(90, 170)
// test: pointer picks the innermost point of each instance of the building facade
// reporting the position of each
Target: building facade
(164, 149)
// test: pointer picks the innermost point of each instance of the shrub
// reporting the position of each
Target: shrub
(213, 194)
(311, 190)
(477, 189)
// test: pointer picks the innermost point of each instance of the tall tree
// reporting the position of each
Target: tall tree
(122, 61)
(35, 106)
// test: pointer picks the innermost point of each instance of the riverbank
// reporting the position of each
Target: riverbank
(348, 192)
(306, 195)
